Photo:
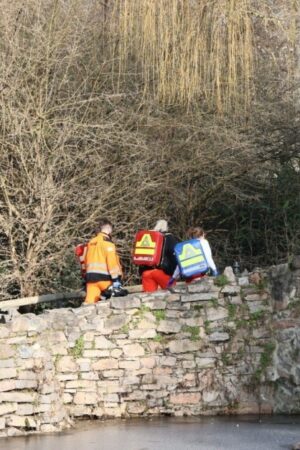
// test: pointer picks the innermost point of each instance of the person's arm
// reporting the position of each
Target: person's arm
(208, 254)
(112, 261)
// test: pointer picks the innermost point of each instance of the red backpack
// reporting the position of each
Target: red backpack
(148, 248)
(80, 252)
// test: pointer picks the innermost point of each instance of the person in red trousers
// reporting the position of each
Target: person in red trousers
(153, 278)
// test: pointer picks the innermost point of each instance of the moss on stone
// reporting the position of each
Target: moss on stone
(221, 280)
(77, 350)
(194, 332)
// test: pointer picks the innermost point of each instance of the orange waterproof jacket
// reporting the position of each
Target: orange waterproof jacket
(101, 260)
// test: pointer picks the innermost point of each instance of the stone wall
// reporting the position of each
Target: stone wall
(213, 347)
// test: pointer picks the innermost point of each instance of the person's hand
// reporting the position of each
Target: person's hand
(117, 284)
(171, 282)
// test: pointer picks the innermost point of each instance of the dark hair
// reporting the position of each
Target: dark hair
(104, 221)
(196, 232)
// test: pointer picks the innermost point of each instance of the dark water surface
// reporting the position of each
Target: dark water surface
(208, 433)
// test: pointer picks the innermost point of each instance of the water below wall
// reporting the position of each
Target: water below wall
(204, 433)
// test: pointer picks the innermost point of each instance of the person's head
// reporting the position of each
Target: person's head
(196, 233)
(105, 226)
(161, 225)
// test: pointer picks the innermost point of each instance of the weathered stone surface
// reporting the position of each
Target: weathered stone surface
(231, 290)
(183, 346)
(85, 398)
(7, 408)
(6, 351)
(168, 326)
(21, 421)
(130, 364)
(125, 302)
(142, 334)
(213, 314)
(66, 364)
(199, 297)
(243, 281)
(185, 398)
(105, 364)
(8, 373)
(102, 343)
(218, 337)
(204, 363)
(133, 350)
(7, 385)
(19, 397)
(229, 274)
(115, 323)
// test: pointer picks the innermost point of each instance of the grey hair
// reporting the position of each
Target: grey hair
(161, 225)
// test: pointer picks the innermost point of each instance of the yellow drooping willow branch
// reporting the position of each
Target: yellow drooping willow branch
(187, 51)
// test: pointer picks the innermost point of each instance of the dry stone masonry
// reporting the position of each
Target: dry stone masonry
(224, 346)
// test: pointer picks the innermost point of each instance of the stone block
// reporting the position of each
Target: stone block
(98, 412)
(113, 374)
(229, 274)
(7, 408)
(28, 322)
(80, 410)
(67, 376)
(18, 397)
(85, 398)
(168, 326)
(7, 385)
(129, 302)
(218, 337)
(66, 364)
(130, 365)
(26, 384)
(116, 353)
(2, 423)
(243, 281)
(148, 362)
(155, 304)
(6, 351)
(25, 409)
(183, 346)
(213, 314)
(133, 350)
(136, 408)
(167, 361)
(114, 323)
(210, 396)
(198, 297)
(7, 363)
(96, 353)
(7, 373)
(105, 364)
(231, 290)
(142, 334)
(84, 385)
(185, 398)
(201, 286)
(102, 343)
(21, 421)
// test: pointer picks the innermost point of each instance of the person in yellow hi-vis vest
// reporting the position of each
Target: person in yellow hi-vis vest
(103, 268)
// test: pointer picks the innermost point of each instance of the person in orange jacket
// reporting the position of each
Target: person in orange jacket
(103, 269)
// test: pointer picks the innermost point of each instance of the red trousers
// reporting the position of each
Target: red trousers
(153, 278)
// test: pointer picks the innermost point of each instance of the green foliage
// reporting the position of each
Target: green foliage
(159, 314)
(214, 302)
(232, 311)
(221, 280)
(207, 326)
(226, 358)
(77, 350)
(265, 360)
(256, 316)
(194, 332)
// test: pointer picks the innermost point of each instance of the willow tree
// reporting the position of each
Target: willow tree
(189, 51)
